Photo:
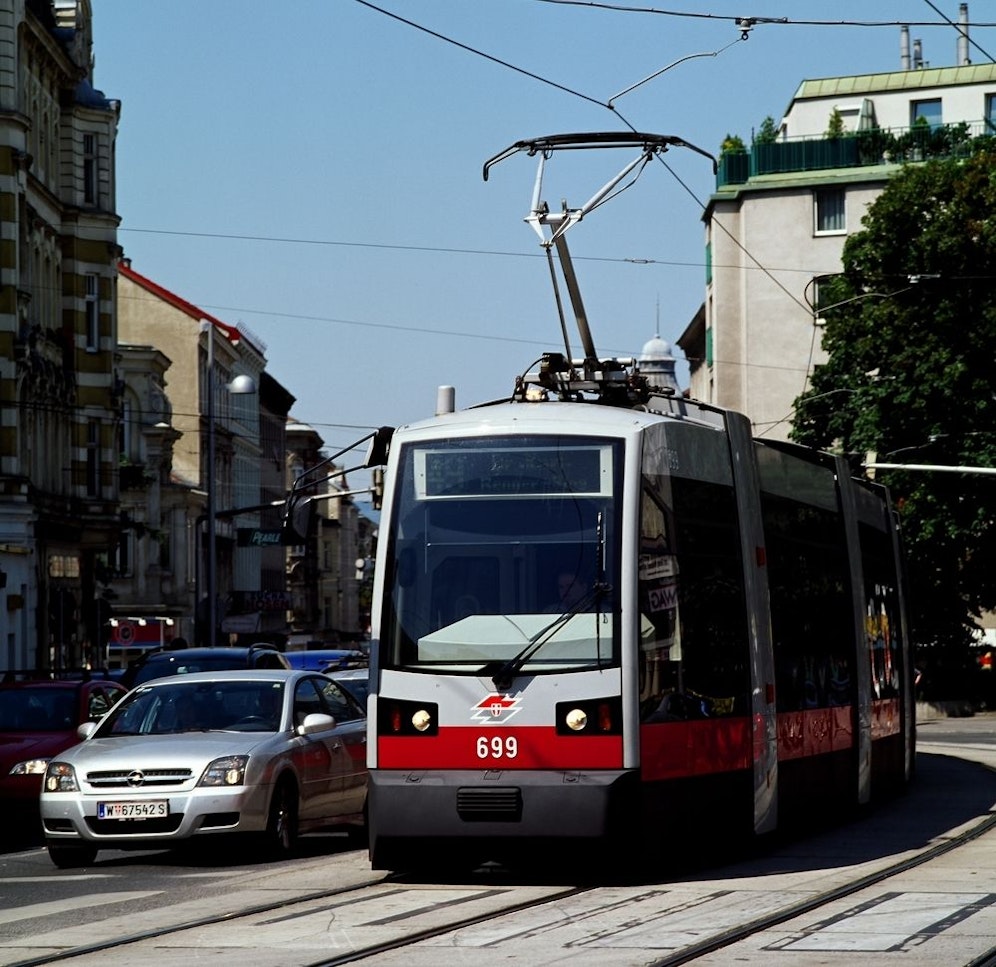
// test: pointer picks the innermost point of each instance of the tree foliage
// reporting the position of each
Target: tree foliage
(768, 132)
(835, 125)
(732, 144)
(911, 376)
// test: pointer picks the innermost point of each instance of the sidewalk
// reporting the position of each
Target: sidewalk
(972, 737)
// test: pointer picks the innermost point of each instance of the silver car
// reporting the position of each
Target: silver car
(275, 753)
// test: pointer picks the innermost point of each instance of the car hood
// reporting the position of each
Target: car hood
(18, 746)
(188, 748)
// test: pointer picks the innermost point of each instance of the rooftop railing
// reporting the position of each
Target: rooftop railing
(857, 149)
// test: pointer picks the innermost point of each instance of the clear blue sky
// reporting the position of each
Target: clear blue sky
(312, 169)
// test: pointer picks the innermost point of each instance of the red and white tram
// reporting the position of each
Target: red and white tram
(604, 615)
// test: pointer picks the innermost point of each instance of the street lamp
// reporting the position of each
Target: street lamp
(240, 385)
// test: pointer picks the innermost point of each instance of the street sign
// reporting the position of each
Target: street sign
(255, 537)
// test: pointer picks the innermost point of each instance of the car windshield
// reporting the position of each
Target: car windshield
(185, 706)
(37, 709)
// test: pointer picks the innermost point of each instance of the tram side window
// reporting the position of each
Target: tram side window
(694, 659)
(660, 637)
(883, 632)
(811, 609)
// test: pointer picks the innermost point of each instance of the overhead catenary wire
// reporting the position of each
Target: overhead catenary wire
(740, 22)
(449, 250)
(736, 20)
(480, 53)
(608, 106)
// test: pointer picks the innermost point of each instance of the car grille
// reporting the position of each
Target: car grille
(138, 778)
(489, 805)
(118, 827)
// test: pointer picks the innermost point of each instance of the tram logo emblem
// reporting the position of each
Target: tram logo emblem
(495, 709)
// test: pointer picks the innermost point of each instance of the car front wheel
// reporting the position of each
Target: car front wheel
(69, 857)
(281, 827)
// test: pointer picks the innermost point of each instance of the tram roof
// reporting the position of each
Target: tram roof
(579, 417)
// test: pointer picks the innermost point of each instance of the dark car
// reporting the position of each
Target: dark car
(356, 681)
(38, 720)
(184, 661)
(322, 659)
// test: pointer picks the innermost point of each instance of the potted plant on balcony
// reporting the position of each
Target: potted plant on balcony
(734, 161)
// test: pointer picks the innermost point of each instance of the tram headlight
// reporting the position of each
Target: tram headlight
(397, 716)
(590, 717)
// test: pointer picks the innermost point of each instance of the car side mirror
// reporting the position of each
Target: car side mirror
(85, 730)
(316, 722)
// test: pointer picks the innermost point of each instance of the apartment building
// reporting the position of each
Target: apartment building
(60, 386)
(782, 211)
(145, 595)
(219, 444)
(109, 448)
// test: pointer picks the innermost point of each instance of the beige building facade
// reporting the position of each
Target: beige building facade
(150, 314)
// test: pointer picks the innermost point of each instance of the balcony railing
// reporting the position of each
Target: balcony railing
(876, 146)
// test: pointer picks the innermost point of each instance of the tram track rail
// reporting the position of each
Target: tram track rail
(346, 893)
(480, 889)
(759, 925)
(156, 932)
(725, 938)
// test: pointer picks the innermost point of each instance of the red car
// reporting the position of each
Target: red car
(38, 719)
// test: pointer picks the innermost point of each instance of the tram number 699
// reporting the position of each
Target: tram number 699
(497, 747)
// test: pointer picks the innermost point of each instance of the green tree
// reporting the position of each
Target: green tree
(768, 132)
(732, 144)
(911, 338)
(835, 125)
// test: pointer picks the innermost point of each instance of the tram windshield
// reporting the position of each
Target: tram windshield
(504, 552)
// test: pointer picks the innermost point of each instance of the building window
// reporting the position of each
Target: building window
(63, 566)
(89, 169)
(92, 314)
(991, 114)
(125, 434)
(93, 458)
(123, 555)
(928, 112)
(830, 212)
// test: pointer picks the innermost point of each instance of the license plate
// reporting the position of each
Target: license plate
(151, 809)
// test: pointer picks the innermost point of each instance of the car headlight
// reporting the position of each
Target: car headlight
(230, 770)
(30, 767)
(60, 777)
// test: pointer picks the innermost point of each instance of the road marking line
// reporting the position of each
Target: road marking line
(70, 903)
